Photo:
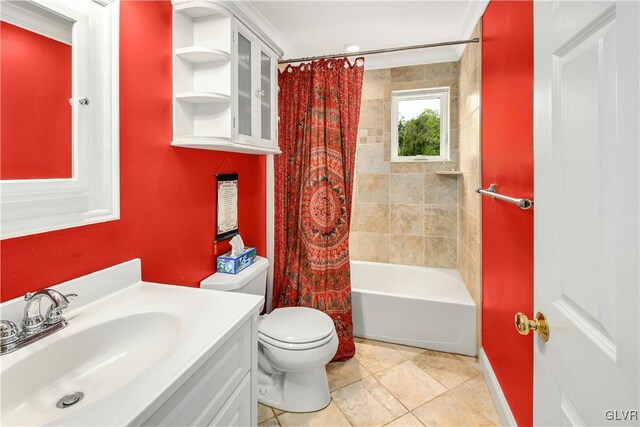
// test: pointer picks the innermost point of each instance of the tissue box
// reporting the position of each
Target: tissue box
(231, 264)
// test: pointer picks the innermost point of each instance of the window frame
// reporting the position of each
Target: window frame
(441, 93)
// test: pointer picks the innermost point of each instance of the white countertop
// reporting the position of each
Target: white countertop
(204, 319)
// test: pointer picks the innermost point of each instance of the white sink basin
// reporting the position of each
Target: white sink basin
(95, 361)
(128, 346)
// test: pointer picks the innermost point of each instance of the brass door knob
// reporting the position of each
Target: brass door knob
(540, 325)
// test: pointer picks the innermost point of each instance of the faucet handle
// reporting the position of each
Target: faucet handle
(54, 314)
(9, 333)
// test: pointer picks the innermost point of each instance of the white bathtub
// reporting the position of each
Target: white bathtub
(417, 306)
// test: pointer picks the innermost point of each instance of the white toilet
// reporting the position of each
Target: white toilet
(294, 345)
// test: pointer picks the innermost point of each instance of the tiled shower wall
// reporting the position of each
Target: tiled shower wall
(469, 208)
(403, 213)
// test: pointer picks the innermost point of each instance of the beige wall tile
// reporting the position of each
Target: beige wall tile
(470, 254)
(371, 113)
(440, 252)
(406, 219)
(406, 250)
(386, 117)
(440, 190)
(407, 74)
(372, 90)
(373, 217)
(373, 188)
(470, 200)
(408, 86)
(407, 167)
(370, 159)
(441, 221)
(442, 71)
(406, 188)
(386, 143)
(452, 84)
(403, 186)
(383, 74)
(365, 246)
(431, 167)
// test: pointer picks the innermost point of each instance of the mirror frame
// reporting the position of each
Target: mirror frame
(92, 195)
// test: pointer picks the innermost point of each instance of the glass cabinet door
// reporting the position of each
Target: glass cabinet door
(245, 84)
(266, 104)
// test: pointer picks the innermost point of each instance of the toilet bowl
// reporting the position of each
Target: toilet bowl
(294, 345)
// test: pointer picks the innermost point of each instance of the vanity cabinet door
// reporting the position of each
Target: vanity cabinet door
(237, 411)
(267, 96)
(245, 87)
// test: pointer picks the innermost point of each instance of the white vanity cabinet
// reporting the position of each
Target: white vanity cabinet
(225, 81)
(221, 391)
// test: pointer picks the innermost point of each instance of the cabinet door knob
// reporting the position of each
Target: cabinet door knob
(84, 101)
(260, 93)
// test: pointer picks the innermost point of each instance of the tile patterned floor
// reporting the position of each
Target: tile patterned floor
(394, 385)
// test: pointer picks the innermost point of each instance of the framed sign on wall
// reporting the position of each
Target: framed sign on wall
(226, 206)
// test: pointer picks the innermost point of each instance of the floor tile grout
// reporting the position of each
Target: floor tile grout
(405, 358)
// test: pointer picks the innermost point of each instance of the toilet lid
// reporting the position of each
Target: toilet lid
(296, 325)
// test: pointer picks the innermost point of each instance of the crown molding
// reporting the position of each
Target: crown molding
(473, 14)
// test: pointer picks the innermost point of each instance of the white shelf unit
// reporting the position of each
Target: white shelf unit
(207, 95)
(203, 97)
(220, 144)
(202, 55)
(202, 41)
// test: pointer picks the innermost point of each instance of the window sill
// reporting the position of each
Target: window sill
(420, 160)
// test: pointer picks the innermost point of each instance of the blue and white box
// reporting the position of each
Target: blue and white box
(234, 264)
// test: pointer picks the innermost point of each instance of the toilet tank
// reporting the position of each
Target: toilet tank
(251, 280)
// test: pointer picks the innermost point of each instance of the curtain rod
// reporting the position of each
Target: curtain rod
(377, 51)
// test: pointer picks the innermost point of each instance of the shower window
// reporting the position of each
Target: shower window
(420, 125)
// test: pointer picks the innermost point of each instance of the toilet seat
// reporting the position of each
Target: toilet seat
(265, 339)
(296, 328)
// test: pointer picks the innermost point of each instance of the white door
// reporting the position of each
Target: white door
(587, 191)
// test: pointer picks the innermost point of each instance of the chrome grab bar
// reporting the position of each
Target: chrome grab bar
(491, 192)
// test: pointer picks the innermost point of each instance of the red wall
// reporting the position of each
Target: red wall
(507, 231)
(36, 115)
(167, 194)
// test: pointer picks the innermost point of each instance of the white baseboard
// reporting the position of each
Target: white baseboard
(499, 400)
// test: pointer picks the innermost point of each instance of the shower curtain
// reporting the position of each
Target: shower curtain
(319, 108)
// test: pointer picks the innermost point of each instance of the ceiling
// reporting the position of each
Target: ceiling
(311, 28)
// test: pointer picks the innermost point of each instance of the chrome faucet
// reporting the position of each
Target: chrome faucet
(34, 325)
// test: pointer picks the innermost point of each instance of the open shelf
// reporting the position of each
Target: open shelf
(219, 144)
(200, 9)
(200, 54)
(453, 173)
(203, 97)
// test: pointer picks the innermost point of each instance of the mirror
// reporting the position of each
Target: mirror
(36, 89)
(59, 148)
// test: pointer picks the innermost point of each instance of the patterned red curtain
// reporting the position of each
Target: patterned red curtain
(319, 108)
